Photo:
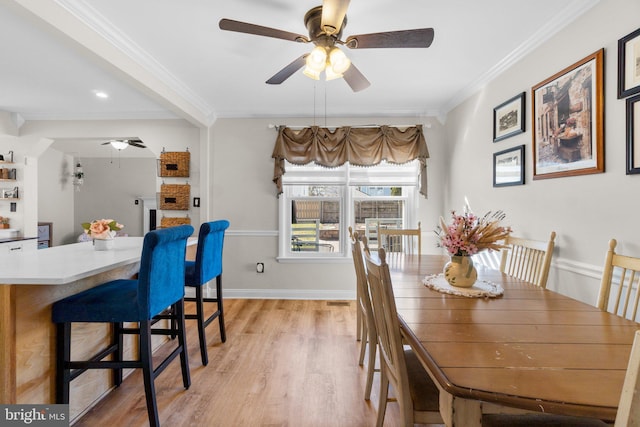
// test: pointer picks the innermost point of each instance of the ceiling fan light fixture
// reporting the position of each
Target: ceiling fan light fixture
(339, 61)
(119, 144)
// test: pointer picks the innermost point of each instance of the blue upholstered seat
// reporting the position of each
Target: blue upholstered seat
(160, 284)
(206, 267)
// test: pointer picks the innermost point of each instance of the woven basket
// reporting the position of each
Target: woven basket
(174, 197)
(174, 164)
(166, 221)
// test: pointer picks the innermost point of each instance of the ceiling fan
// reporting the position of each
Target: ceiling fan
(325, 24)
(121, 144)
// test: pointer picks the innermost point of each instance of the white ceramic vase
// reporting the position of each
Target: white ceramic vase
(460, 271)
(103, 244)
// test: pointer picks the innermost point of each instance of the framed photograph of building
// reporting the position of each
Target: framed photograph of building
(567, 116)
(508, 167)
(633, 135)
(508, 118)
(629, 64)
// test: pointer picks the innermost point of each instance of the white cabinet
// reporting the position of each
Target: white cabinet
(18, 246)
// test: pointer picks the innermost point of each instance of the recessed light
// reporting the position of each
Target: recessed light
(101, 94)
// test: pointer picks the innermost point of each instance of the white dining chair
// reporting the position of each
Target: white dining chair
(366, 331)
(527, 259)
(403, 240)
(623, 273)
(416, 394)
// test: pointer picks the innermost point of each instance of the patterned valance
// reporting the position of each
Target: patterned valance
(365, 146)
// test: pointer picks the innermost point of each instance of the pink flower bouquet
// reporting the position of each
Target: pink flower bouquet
(102, 229)
(468, 234)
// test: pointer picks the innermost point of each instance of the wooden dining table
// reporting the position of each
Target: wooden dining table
(530, 349)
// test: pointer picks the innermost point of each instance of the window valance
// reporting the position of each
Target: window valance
(366, 146)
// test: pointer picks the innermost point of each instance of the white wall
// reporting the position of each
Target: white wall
(585, 211)
(242, 191)
(55, 193)
(132, 181)
(110, 190)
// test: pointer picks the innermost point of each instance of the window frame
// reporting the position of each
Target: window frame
(346, 177)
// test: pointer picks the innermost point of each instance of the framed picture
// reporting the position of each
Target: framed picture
(629, 64)
(633, 137)
(508, 167)
(508, 118)
(568, 117)
(9, 194)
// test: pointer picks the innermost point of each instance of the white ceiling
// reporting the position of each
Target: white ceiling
(167, 58)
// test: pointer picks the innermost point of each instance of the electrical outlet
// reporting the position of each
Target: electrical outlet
(260, 267)
(196, 202)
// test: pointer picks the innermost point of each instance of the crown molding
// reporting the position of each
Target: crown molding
(560, 20)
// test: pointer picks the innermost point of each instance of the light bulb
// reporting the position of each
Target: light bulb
(119, 145)
(330, 74)
(311, 73)
(317, 59)
(339, 61)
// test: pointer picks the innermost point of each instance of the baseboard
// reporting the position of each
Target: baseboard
(319, 294)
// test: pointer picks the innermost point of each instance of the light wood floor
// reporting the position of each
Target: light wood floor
(285, 363)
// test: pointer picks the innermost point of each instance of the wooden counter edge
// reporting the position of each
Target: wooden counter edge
(7, 345)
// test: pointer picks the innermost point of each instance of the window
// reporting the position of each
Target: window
(319, 204)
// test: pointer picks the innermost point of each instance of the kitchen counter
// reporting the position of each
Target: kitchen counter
(64, 264)
(30, 282)
(15, 239)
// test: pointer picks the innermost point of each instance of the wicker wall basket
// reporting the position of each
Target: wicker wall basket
(166, 221)
(174, 197)
(174, 164)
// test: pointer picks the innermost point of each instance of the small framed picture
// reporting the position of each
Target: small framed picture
(508, 167)
(508, 118)
(633, 135)
(9, 194)
(629, 64)
(568, 117)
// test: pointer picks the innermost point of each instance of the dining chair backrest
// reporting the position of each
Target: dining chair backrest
(405, 240)
(629, 404)
(366, 323)
(208, 262)
(160, 278)
(528, 260)
(624, 272)
(357, 249)
(387, 325)
(364, 300)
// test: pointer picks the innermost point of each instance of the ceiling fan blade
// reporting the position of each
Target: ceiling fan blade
(288, 71)
(244, 27)
(422, 37)
(137, 144)
(355, 79)
(333, 13)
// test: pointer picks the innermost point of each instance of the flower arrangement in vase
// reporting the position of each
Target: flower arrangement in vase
(467, 235)
(4, 222)
(102, 231)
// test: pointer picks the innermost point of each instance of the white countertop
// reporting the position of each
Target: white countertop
(64, 264)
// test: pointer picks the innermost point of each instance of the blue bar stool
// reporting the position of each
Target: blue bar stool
(206, 267)
(160, 284)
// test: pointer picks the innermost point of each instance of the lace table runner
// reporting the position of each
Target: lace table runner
(480, 289)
